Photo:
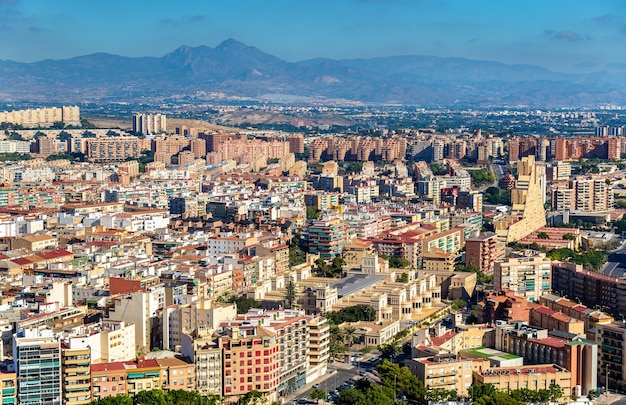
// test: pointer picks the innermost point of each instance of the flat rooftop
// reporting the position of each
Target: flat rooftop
(355, 283)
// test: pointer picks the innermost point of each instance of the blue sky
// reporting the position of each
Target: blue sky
(562, 35)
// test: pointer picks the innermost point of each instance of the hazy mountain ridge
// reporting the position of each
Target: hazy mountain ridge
(238, 70)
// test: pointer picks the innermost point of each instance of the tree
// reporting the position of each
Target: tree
(151, 397)
(122, 399)
(291, 294)
(476, 391)
(312, 212)
(389, 350)
(404, 278)
(354, 313)
(350, 334)
(243, 304)
(350, 396)
(318, 394)
(569, 236)
(296, 255)
(555, 392)
(337, 265)
(251, 398)
(543, 235)
(400, 380)
(321, 267)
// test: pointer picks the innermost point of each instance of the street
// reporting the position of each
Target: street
(616, 265)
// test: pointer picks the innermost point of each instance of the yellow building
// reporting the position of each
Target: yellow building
(445, 371)
(438, 260)
(76, 366)
(527, 213)
(535, 377)
(8, 390)
(142, 375)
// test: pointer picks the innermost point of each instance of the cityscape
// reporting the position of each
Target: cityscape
(224, 225)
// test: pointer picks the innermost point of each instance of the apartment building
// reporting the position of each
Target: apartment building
(207, 356)
(42, 116)
(529, 276)
(446, 371)
(251, 362)
(113, 149)
(484, 251)
(327, 236)
(585, 194)
(540, 346)
(38, 365)
(76, 367)
(535, 377)
(611, 340)
(148, 124)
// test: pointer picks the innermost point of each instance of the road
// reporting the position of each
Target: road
(333, 380)
(616, 266)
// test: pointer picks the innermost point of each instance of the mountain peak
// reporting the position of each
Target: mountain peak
(231, 43)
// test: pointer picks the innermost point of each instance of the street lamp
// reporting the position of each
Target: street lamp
(607, 380)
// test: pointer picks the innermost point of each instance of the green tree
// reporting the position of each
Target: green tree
(476, 391)
(321, 267)
(318, 394)
(389, 350)
(350, 396)
(543, 235)
(253, 397)
(350, 333)
(337, 266)
(151, 397)
(404, 278)
(399, 262)
(296, 255)
(243, 304)
(291, 294)
(355, 313)
(114, 400)
(555, 392)
(569, 236)
(312, 212)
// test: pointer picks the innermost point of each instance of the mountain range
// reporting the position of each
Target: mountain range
(235, 70)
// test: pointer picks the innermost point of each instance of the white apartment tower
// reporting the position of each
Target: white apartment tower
(149, 123)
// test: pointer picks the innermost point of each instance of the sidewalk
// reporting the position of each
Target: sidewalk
(605, 400)
(331, 371)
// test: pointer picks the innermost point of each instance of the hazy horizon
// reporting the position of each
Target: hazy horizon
(563, 36)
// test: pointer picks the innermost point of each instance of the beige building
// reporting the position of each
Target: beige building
(534, 377)
(529, 277)
(527, 213)
(438, 260)
(113, 149)
(446, 371)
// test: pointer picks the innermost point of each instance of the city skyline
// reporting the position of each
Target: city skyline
(563, 36)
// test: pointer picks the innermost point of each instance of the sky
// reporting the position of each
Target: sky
(561, 35)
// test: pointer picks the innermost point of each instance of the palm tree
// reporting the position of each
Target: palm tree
(350, 334)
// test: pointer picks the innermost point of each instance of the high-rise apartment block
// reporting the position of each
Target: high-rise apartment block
(529, 277)
(327, 236)
(484, 251)
(590, 194)
(69, 115)
(113, 149)
(38, 365)
(148, 124)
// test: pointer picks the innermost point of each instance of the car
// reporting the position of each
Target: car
(362, 373)
(317, 385)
